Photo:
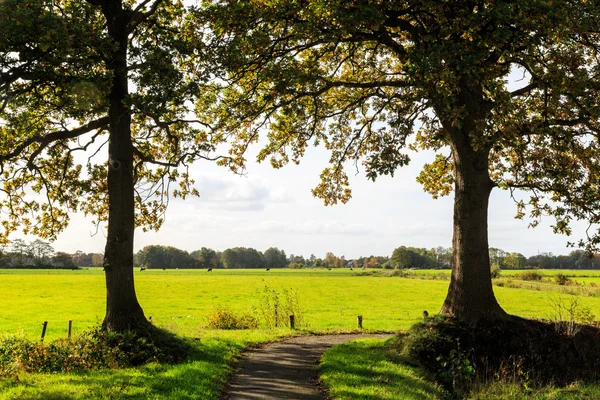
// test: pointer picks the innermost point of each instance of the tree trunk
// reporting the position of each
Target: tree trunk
(122, 308)
(470, 295)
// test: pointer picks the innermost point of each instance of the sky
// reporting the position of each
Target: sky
(275, 208)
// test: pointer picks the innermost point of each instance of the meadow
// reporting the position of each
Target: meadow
(181, 301)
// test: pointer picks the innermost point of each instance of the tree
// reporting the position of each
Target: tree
(515, 260)
(275, 258)
(361, 77)
(207, 258)
(41, 251)
(65, 73)
(331, 260)
(241, 257)
(82, 259)
(497, 257)
(20, 251)
(158, 257)
(401, 257)
(62, 259)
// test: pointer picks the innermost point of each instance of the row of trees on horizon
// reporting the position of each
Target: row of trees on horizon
(39, 253)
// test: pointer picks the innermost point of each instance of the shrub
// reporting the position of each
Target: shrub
(529, 352)
(275, 307)
(495, 272)
(92, 350)
(530, 276)
(223, 318)
(561, 279)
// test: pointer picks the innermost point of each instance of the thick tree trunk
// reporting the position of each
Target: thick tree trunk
(122, 308)
(470, 295)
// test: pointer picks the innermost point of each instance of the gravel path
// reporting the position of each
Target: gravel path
(285, 370)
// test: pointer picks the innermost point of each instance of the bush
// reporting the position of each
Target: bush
(223, 318)
(92, 350)
(561, 279)
(275, 307)
(495, 272)
(534, 353)
(530, 276)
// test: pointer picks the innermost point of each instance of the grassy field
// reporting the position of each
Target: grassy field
(181, 301)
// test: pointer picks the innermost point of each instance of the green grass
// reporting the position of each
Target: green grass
(180, 302)
(372, 370)
(202, 377)
(368, 370)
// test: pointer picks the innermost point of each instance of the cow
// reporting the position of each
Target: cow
(209, 270)
(143, 269)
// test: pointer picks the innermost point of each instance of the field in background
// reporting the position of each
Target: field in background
(181, 300)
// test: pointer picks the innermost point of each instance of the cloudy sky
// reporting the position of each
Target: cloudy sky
(270, 207)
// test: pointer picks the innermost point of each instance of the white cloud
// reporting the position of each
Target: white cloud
(239, 193)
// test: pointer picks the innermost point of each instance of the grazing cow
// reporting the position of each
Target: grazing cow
(268, 269)
(143, 269)
(209, 270)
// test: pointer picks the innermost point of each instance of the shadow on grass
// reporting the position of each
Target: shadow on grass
(202, 375)
(369, 370)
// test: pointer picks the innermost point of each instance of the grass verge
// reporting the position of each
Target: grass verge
(445, 360)
(371, 369)
(202, 376)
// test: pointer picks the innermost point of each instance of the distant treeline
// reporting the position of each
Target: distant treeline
(40, 254)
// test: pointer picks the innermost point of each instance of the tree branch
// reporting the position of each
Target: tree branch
(524, 90)
(45, 140)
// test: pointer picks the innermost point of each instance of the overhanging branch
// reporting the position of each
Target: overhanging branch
(52, 137)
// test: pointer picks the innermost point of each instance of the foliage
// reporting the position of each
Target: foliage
(224, 318)
(275, 258)
(495, 272)
(276, 306)
(207, 258)
(241, 257)
(569, 315)
(92, 350)
(460, 354)
(202, 376)
(56, 86)
(357, 78)
(164, 257)
(529, 276)
(561, 279)
(370, 369)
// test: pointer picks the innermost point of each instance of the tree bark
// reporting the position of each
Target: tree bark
(470, 295)
(123, 310)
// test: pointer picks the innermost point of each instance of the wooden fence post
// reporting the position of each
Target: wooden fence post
(292, 322)
(70, 328)
(359, 318)
(44, 326)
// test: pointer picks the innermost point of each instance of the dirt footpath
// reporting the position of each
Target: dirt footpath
(285, 370)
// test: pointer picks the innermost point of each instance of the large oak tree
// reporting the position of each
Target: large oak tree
(111, 80)
(369, 79)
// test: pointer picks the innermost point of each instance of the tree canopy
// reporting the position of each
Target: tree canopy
(370, 79)
(97, 115)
